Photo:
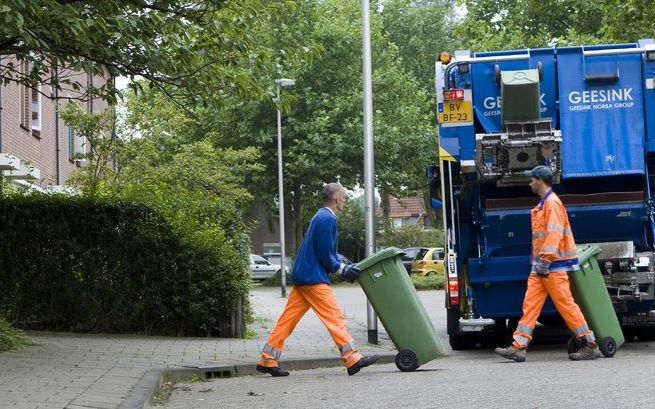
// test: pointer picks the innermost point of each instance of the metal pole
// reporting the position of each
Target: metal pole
(369, 183)
(283, 275)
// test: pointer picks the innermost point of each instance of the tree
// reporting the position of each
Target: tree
(352, 240)
(509, 24)
(323, 125)
(420, 29)
(322, 122)
(94, 128)
(505, 24)
(182, 47)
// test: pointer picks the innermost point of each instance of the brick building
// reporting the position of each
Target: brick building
(33, 134)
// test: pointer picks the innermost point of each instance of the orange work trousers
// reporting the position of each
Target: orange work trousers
(557, 286)
(320, 298)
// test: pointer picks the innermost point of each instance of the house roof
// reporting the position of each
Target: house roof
(406, 207)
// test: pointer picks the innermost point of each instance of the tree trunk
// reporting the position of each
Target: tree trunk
(386, 210)
(296, 219)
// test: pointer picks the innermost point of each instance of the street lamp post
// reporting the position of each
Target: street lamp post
(283, 82)
(369, 180)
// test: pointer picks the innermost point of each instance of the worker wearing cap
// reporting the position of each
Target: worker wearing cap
(553, 256)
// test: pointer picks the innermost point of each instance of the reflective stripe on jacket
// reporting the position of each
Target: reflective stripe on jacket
(552, 238)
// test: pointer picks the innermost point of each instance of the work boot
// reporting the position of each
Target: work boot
(512, 352)
(586, 353)
(275, 371)
(363, 363)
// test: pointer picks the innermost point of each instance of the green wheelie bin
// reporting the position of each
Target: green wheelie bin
(393, 296)
(589, 292)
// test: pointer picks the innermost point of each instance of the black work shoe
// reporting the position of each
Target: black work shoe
(363, 363)
(274, 371)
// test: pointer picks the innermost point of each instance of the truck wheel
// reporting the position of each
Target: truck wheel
(607, 347)
(463, 340)
(406, 360)
(452, 320)
(501, 336)
(646, 334)
(629, 334)
(573, 345)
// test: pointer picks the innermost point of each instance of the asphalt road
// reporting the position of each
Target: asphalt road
(462, 379)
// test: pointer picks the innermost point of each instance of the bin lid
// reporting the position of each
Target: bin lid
(586, 251)
(381, 255)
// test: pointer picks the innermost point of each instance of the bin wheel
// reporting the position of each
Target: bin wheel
(406, 360)
(573, 345)
(607, 347)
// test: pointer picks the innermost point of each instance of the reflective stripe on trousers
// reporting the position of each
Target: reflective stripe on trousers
(557, 286)
(320, 298)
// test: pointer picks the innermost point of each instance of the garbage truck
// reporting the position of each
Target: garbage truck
(588, 113)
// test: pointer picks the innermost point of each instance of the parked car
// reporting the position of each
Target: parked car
(429, 261)
(408, 257)
(261, 269)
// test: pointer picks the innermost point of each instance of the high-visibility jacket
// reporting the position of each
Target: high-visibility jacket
(552, 238)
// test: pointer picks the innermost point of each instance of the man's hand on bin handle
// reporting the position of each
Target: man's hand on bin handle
(350, 273)
(542, 267)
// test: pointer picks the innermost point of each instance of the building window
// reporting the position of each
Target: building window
(71, 144)
(25, 101)
(35, 108)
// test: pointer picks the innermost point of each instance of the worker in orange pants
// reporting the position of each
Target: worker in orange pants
(554, 255)
(320, 298)
(317, 256)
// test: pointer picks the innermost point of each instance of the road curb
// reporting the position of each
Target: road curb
(141, 394)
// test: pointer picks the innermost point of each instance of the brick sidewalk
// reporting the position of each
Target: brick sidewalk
(97, 371)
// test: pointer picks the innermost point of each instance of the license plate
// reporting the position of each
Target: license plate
(456, 111)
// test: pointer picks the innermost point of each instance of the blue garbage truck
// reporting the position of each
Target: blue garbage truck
(588, 113)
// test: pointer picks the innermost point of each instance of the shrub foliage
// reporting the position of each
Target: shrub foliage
(84, 264)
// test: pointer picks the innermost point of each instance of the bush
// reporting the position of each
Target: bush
(106, 266)
(10, 338)
(412, 236)
(433, 282)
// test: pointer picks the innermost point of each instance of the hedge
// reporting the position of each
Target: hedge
(77, 264)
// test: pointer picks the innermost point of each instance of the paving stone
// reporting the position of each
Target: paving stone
(99, 370)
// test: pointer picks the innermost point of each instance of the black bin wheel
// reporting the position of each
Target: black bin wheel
(573, 345)
(406, 360)
(607, 346)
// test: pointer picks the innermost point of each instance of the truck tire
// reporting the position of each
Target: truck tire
(646, 334)
(463, 340)
(501, 335)
(452, 320)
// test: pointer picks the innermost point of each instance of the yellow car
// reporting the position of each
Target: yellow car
(428, 261)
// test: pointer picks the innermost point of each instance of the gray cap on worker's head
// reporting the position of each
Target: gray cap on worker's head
(540, 172)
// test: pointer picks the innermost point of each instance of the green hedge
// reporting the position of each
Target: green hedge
(76, 264)
(433, 282)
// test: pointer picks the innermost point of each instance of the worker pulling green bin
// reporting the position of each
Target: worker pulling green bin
(393, 296)
(589, 292)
